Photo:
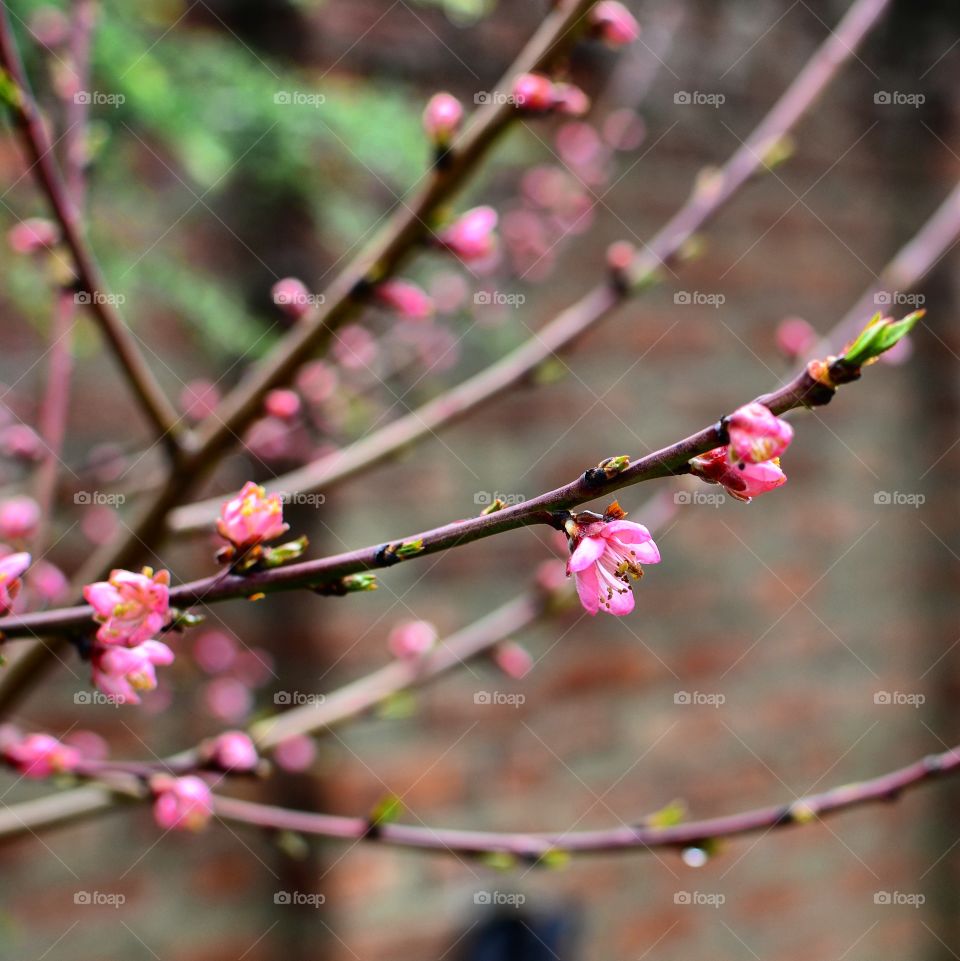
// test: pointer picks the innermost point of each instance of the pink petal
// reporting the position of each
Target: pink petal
(588, 552)
(621, 604)
(588, 589)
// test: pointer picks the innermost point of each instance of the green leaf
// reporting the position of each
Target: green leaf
(879, 336)
(387, 809)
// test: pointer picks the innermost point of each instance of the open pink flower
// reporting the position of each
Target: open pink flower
(442, 117)
(251, 517)
(614, 23)
(12, 568)
(757, 434)
(40, 755)
(234, 751)
(743, 480)
(182, 803)
(471, 236)
(406, 299)
(130, 607)
(120, 672)
(19, 517)
(606, 556)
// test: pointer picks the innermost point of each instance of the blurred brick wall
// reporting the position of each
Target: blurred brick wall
(797, 609)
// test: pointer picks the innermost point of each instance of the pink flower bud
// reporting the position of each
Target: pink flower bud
(293, 297)
(48, 582)
(471, 237)
(120, 672)
(614, 23)
(19, 517)
(534, 92)
(21, 442)
(199, 399)
(40, 755)
(12, 568)
(182, 803)
(605, 556)
(234, 751)
(295, 754)
(442, 117)
(513, 659)
(757, 435)
(130, 607)
(620, 255)
(33, 235)
(228, 699)
(795, 337)
(251, 517)
(570, 100)
(743, 481)
(214, 651)
(412, 639)
(284, 404)
(406, 298)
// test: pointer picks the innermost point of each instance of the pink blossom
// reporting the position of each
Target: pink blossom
(605, 556)
(795, 336)
(130, 607)
(471, 237)
(251, 517)
(513, 659)
(743, 481)
(33, 235)
(406, 298)
(182, 803)
(19, 517)
(40, 755)
(47, 582)
(228, 699)
(234, 751)
(119, 672)
(12, 568)
(534, 92)
(284, 404)
(296, 753)
(614, 23)
(441, 117)
(757, 434)
(293, 297)
(412, 639)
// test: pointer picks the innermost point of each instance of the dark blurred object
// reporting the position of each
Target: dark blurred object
(522, 936)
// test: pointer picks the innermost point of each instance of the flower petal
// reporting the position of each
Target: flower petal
(589, 551)
(588, 589)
